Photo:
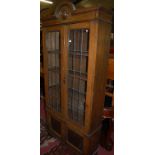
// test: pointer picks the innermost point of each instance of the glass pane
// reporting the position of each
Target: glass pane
(53, 48)
(77, 73)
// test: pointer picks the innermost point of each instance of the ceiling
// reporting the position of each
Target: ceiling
(49, 9)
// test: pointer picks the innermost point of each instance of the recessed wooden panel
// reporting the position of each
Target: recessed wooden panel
(75, 139)
(56, 125)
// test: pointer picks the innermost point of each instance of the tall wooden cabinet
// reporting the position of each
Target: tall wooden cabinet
(75, 47)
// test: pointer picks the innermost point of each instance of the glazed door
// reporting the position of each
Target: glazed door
(77, 73)
(52, 49)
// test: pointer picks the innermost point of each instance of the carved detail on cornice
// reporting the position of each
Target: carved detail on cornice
(64, 10)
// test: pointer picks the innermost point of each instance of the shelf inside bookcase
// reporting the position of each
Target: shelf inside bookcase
(56, 51)
(53, 69)
(109, 88)
(78, 53)
(109, 94)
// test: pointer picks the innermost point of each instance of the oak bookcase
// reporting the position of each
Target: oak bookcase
(75, 50)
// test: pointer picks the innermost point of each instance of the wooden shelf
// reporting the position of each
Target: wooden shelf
(108, 113)
(109, 94)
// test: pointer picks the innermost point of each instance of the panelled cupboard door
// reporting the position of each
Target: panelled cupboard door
(52, 62)
(77, 72)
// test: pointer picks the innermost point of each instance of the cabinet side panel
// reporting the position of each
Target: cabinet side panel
(103, 46)
(91, 73)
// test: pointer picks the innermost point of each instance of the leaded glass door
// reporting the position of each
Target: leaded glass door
(78, 43)
(53, 51)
